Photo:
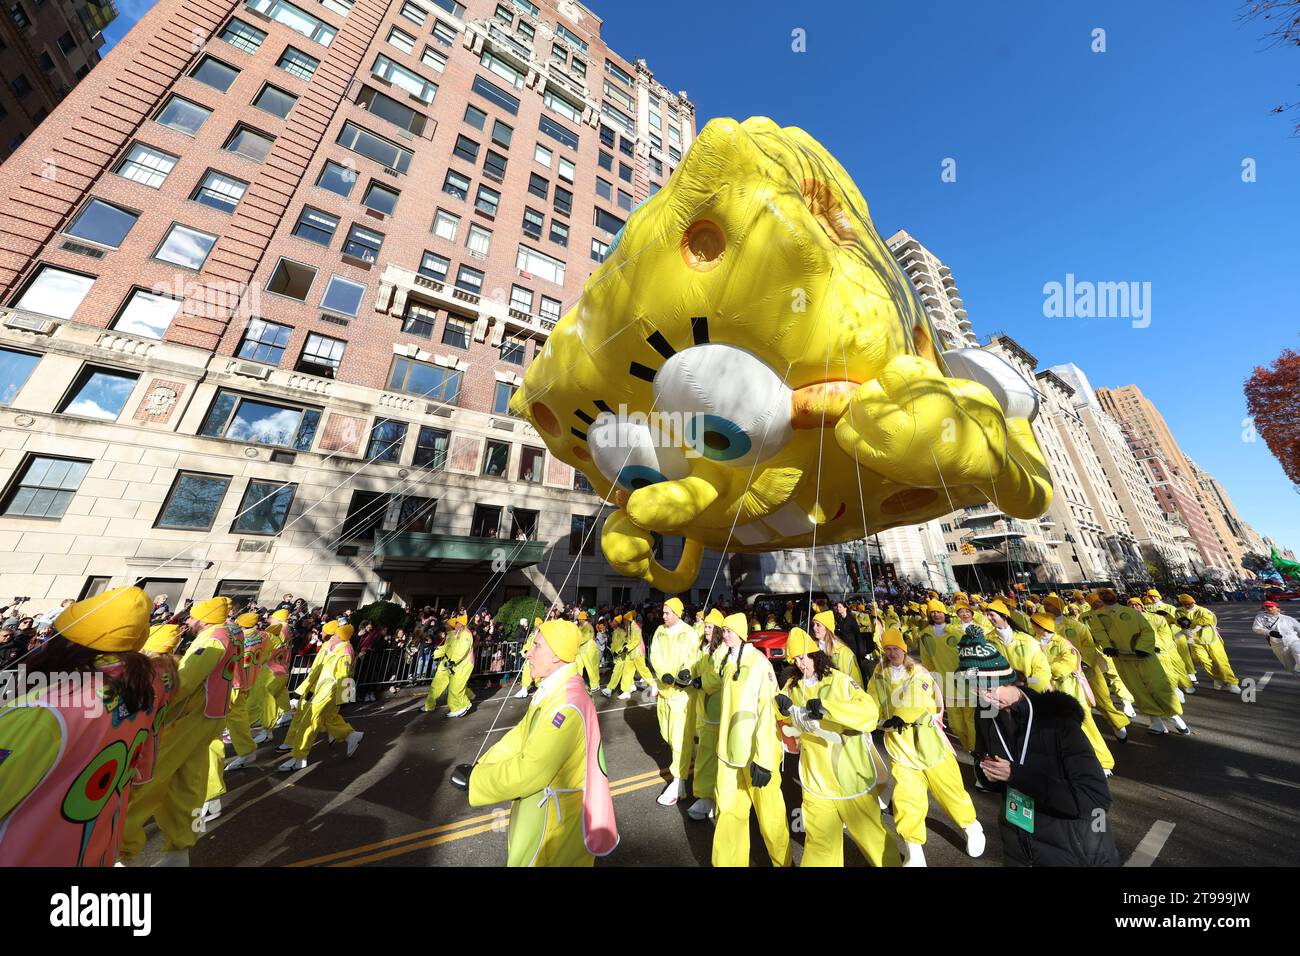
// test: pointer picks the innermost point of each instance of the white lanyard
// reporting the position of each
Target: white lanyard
(1028, 730)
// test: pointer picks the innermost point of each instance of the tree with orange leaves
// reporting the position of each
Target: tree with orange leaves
(1273, 400)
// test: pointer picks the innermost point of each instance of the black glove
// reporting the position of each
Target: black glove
(1275, 634)
(815, 709)
(697, 684)
(759, 776)
(783, 704)
(460, 776)
(1184, 622)
(1109, 651)
(684, 679)
(893, 723)
(666, 679)
(1142, 653)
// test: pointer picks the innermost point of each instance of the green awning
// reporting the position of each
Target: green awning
(420, 551)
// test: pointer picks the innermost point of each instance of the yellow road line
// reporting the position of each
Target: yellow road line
(439, 833)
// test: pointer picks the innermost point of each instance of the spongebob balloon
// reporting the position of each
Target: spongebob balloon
(751, 370)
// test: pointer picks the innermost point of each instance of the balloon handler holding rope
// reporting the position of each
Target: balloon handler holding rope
(750, 369)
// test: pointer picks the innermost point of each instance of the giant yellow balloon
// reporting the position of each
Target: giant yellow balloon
(750, 366)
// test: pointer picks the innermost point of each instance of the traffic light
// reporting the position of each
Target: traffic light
(968, 549)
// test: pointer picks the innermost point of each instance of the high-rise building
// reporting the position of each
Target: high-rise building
(45, 50)
(270, 282)
(1177, 487)
(937, 288)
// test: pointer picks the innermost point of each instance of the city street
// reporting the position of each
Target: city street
(1229, 795)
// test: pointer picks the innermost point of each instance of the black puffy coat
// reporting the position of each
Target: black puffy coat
(1061, 774)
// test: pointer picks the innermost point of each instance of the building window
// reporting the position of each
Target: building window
(445, 225)
(580, 483)
(466, 149)
(543, 156)
(404, 79)
(186, 247)
(513, 349)
(237, 418)
(538, 186)
(146, 165)
(103, 224)
(414, 13)
(625, 172)
(374, 147)
(431, 447)
(523, 524)
(219, 191)
(607, 221)
(486, 522)
(456, 332)
(214, 73)
(501, 400)
(264, 508)
(502, 68)
(264, 341)
(582, 539)
(275, 101)
(296, 63)
(296, 19)
(193, 502)
(15, 368)
(561, 134)
(531, 463)
(550, 309)
(416, 514)
(428, 381)
(99, 393)
(562, 106)
(54, 292)
(479, 241)
(321, 355)
(599, 250)
(401, 39)
(343, 295)
(315, 226)
(540, 264)
(337, 178)
(249, 143)
(380, 198)
(563, 201)
(559, 233)
(292, 279)
(419, 320)
(146, 314)
(243, 36)
(567, 169)
(624, 201)
(456, 184)
(533, 222)
(496, 458)
(521, 299)
(606, 161)
(487, 200)
(470, 280)
(363, 244)
(434, 266)
(494, 165)
(20, 85)
(45, 488)
(502, 134)
(386, 440)
(433, 59)
(444, 34)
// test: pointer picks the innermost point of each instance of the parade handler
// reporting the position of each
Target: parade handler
(551, 765)
(675, 660)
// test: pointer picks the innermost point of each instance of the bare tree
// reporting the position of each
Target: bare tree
(1281, 19)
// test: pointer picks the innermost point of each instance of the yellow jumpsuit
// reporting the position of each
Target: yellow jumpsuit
(844, 660)
(526, 675)
(1132, 643)
(1167, 648)
(924, 762)
(837, 771)
(1095, 664)
(1206, 645)
(181, 776)
(939, 656)
(1111, 675)
(327, 686)
(747, 734)
(541, 767)
(1066, 666)
(270, 698)
(672, 650)
(708, 711)
(1170, 613)
(632, 664)
(457, 656)
(589, 654)
(1026, 657)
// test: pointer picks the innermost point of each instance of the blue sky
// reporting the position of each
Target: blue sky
(1117, 166)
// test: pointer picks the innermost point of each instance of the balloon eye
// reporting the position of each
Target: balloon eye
(636, 477)
(716, 438)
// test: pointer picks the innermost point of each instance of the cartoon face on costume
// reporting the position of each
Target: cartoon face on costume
(750, 367)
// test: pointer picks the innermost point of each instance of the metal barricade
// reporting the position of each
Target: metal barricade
(395, 667)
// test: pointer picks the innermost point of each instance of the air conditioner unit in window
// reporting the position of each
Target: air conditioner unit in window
(252, 371)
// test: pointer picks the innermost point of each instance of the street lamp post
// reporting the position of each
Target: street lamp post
(1069, 539)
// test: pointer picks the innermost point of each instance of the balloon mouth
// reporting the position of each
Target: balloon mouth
(820, 405)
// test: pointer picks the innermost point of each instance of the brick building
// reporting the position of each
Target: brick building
(270, 280)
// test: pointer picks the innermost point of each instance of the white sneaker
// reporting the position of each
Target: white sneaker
(241, 762)
(262, 737)
(700, 809)
(913, 854)
(627, 694)
(1181, 698)
(459, 713)
(354, 741)
(1128, 710)
(1218, 685)
(1191, 690)
(292, 764)
(521, 693)
(1181, 726)
(1121, 733)
(392, 691)
(1233, 688)
(974, 840)
(284, 720)
(211, 810)
(1108, 773)
(654, 691)
(671, 793)
(174, 858)
(283, 748)
(606, 691)
(1158, 726)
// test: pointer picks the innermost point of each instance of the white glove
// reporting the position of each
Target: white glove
(293, 703)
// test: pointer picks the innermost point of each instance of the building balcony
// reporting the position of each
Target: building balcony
(959, 312)
(964, 324)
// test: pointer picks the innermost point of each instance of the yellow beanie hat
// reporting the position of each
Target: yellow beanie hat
(212, 611)
(675, 605)
(737, 624)
(344, 632)
(459, 621)
(1046, 621)
(562, 638)
(117, 620)
(1186, 599)
(537, 622)
(935, 605)
(247, 620)
(893, 637)
(582, 615)
(281, 615)
(800, 642)
(163, 638)
(715, 617)
(827, 620)
(329, 627)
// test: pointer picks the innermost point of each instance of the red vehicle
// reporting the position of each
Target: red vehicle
(771, 641)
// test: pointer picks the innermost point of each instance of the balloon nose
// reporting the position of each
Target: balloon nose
(820, 405)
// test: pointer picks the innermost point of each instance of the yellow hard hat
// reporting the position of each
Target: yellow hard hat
(344, 632)
(1135, 602)
(1054, 602)
(799, 643)
(997, 605)
(163, 638)
(715, 617)
(117, 620)
(675, 605)
(893, 637)
(1046, 621)
(562, 638)
(827, 620)
(212, 611)
(247, 620)
(961, 596)
(737, 624)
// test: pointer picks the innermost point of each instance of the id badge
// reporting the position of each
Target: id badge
(1019, 809)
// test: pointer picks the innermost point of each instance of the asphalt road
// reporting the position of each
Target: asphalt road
(1228, 795)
